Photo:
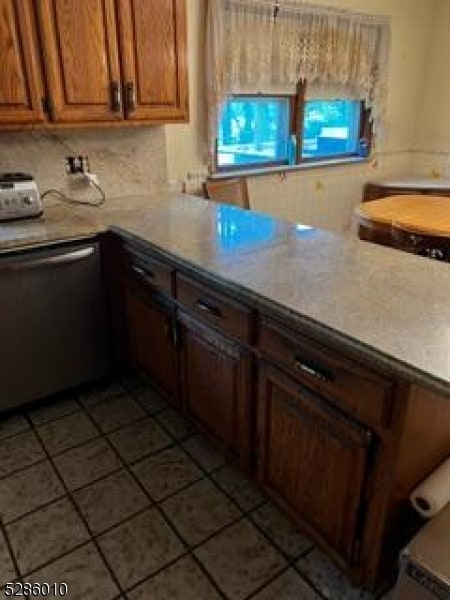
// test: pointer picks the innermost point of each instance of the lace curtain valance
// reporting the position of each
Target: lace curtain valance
(263, 46)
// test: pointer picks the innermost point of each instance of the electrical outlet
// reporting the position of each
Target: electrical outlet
(77, 164)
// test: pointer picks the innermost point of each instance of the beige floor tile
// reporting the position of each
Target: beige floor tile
(175, 424)
(67, 432)
(166, 472)
(199, 511)
(101, 393)
(19, 451)
(86, 463)
(203, 452)
(281, 530)
(183, 580)
(50, 412)
(116, 412)
(84, 573)
(150, 400)
(28, 489)
(110, 501)
(7, 571)
(46, 534)
(243, 491)
(328, 579)
(288, 586)
(139, 547)
(240, 560)
(139, 439)
(13, 425)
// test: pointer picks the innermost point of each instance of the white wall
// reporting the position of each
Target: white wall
(322, 197)
(432, 156)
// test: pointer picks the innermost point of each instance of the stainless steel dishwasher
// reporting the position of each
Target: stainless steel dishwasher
(54, 331)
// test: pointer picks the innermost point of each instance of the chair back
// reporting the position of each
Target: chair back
(229, 191)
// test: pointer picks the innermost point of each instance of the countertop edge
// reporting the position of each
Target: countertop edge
(332, 337)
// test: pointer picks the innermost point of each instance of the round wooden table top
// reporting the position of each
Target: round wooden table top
(422, 214)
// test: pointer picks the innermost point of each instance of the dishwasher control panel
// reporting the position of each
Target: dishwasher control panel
(19, 197)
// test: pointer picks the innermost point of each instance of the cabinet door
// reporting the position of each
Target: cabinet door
(20, 85)
(313, 459)
(151, 347)
(216, 386)
(153, 52)
(81, 59)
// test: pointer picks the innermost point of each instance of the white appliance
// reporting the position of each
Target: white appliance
(19, 197)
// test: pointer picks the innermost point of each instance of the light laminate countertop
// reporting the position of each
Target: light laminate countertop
(376, 303)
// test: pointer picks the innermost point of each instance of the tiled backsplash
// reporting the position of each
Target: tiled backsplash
(127, 161)
(324, 197)
(431, 164)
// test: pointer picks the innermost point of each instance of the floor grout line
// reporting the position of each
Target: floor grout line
(155, 505)
(10, 550)
(127, 466)
(244, 514)
(81, 516)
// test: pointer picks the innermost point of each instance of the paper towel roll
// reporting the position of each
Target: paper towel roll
(434, 492)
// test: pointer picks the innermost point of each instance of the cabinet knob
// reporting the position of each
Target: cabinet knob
(130, 96)
(116, 96)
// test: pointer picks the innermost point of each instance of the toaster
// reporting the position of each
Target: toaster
(19, 197)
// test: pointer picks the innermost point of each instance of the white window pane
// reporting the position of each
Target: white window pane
(252, 131)
(331, 128)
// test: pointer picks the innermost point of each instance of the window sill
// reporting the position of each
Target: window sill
(282, 169)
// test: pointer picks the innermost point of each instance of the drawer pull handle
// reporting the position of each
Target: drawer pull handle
(317, 372)
(143, 273)
(206, 307)
(116, 96)
(130, 97)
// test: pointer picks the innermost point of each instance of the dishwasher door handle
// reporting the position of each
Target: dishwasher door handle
(49, 261)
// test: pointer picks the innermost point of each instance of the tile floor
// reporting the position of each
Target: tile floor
(113, 493)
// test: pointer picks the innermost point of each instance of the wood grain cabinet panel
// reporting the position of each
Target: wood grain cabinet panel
(82, 59)
(210, 306)
(150, 325)
(314, 460)
(351, 386)
(153, 50)
(216, 386)
(20, 83)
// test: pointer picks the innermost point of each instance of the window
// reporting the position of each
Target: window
(331, 128)
(258, 131)
(253, 131)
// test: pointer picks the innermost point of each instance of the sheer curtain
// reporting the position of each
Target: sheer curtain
(266, 46)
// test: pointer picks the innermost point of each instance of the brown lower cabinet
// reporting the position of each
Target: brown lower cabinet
(313, 459)
(216, 385)
(339, 444)
(150, 320)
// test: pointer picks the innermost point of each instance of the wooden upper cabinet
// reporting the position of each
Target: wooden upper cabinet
(20, 84)
(80, 48)
(102, 61)
(153, 51)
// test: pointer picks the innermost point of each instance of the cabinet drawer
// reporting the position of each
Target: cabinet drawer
(364, 394)
(151, 271)
(227, 315)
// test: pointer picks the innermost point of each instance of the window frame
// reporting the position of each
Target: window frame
(297, 103)
(258, 165)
